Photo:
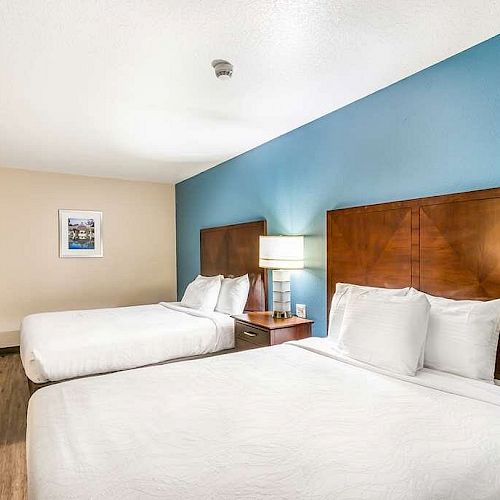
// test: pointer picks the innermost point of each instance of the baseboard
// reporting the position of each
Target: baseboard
(9, 339)
(9, 350)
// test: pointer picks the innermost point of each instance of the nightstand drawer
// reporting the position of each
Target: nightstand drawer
(249, 333)
(243, 345)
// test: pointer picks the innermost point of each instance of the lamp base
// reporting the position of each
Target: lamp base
(282, 314)
(281, 294)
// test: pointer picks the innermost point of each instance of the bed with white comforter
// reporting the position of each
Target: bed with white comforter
(64, 345)
(294, 421)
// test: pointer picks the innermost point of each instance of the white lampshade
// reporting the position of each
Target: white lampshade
(281, 252)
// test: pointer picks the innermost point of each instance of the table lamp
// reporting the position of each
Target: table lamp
(281, 254)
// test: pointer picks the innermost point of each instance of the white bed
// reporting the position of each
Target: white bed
(293, 421)
(64, 345)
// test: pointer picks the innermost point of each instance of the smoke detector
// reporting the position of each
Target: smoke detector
(223, 69)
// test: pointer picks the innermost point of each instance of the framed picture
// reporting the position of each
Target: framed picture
(80, 233)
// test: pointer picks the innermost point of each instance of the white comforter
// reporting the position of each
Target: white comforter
(62, 345)
(283, 422)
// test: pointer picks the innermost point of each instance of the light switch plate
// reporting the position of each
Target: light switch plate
(300, 310)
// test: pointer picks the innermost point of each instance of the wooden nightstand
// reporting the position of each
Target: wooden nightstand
(260, 329)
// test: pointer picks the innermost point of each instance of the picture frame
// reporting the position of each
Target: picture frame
(80, 233)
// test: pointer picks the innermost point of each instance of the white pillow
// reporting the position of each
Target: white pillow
(387, 332)
(339, 300)
(233, 295)
(202, 293)
(463, 337)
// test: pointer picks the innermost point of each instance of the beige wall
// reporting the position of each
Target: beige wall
(138, 266)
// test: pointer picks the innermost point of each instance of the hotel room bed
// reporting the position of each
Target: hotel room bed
(290, 421)
(64, 345)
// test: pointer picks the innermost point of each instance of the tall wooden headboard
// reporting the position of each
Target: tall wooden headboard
(233, 251)
(443, 245)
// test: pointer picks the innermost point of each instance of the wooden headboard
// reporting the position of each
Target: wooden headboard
(443, 245)
(233, 251)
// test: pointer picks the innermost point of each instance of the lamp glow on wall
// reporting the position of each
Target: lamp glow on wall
(281, 254)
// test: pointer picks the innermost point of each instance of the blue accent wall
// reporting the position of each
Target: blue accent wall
(435, 132)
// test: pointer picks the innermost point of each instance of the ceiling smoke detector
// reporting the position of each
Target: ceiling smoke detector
(223, 69)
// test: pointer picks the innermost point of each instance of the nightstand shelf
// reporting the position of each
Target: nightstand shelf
(260, 329)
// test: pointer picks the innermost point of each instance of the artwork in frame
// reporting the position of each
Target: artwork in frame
(80, 233)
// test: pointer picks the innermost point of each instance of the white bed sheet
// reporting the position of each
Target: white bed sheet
(284, 422)
(63, 345)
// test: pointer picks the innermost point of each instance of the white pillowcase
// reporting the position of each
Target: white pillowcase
(202, 293)
(233, 295)
(463, 337)
(385, 331)
(339, 301)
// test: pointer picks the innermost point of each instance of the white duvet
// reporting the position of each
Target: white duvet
(63, 345)
(284, 422)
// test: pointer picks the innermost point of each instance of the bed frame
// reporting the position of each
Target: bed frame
(443, 245)
(231, 250)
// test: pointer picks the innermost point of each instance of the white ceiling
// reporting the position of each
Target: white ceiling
(124, 88)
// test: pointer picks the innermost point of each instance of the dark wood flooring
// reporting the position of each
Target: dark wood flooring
(13, 404)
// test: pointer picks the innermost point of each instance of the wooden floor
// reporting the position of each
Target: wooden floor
(13, 404)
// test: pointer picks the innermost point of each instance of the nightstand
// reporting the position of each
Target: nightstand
(260, 329)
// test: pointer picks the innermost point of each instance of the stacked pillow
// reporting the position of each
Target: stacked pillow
(402, 330)
(202, 293)
(388, 332)
(233, 295)
(463, 337)
(209, 293)
(339, 301)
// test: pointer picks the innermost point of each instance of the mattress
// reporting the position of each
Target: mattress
(64, 345)
(292, 421)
